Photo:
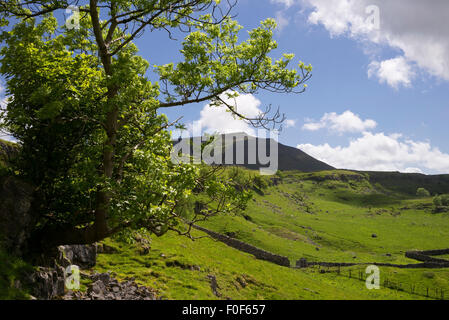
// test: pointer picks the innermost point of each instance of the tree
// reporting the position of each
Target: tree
(441, 200)
(422, 192)
(89, 121)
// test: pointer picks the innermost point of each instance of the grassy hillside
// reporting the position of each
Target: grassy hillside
(7, 150)
(407, 183)
(179, 268)
(332, 216)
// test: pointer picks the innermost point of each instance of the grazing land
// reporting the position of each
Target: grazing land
(331, 216)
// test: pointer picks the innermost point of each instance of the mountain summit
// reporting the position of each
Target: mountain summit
(249, 156)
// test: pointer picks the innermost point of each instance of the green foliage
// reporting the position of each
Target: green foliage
(261, 182)
(341, 230)
(215, 62)
(422, 192)
(93, 140)
(441, 200)
(12, 269)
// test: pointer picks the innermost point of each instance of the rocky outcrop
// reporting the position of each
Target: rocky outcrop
(16, 218)
(106, 287)
(84, 256)
(48, 283)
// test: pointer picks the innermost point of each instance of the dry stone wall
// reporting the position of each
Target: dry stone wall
(245, 247)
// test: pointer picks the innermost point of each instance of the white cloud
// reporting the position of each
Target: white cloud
(281, 20)
(416, 28)
(381, 152)
(413, 170)
(287, 3)
(340, 123)
(289, 123)
(395, 72)
(217, 119)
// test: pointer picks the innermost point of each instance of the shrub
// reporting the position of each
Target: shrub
(260, 182)
(421, 192)
(441, 200)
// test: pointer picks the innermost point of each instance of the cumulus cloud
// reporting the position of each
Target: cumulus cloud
(281, 20)
(340, 123)
(218, 119)
(287, 3)
(289, 123)
(381, 152)
(395, 72)
(416, 28)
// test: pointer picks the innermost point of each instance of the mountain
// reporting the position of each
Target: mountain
(288, 158)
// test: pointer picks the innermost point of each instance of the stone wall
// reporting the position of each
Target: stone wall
(425, 256)
(242, 246)
(435, 252)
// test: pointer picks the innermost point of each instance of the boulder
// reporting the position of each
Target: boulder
(46, 283)
(84, 256)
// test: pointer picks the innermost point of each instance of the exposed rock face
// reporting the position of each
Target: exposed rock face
(46, 283)
(49, 282)
(84, 256)
(105, 287)
(16, 219)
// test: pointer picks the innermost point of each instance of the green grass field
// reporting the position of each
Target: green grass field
(329, 216)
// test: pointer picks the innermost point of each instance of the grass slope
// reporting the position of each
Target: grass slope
(328, 216)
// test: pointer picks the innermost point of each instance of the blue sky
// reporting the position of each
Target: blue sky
(406, 99)
(378, 98)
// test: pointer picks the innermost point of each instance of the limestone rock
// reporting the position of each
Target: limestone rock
(84, 256)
